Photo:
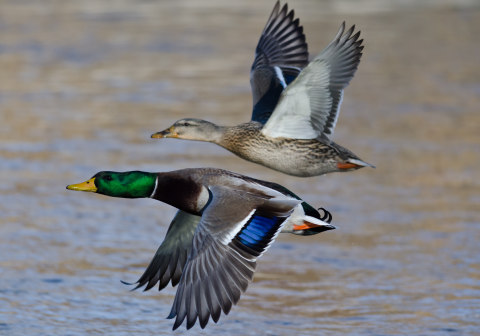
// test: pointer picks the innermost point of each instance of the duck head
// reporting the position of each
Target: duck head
(133, 184)
(192, 129)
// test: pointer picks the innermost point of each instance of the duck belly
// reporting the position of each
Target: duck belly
(301, 158)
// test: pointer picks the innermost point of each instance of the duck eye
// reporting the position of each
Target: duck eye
(108, 178)
(186, 124)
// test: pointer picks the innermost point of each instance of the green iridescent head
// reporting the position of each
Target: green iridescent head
(133, 184)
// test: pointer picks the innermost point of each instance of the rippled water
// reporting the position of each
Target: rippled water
(83, 85)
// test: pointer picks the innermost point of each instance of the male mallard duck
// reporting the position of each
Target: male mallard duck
(224, 223)
(294, 110)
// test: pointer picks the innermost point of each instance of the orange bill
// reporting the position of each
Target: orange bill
(168, 133)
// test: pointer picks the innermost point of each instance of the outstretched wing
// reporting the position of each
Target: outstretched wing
(171, 256)
(308, 108)
(280, 56)
(236, 228)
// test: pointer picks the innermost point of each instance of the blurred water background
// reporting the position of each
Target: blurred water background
(83, 85)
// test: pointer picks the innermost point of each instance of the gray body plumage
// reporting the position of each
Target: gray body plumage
(225, 222)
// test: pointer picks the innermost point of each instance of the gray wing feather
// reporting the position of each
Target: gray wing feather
(171, 256)
(343, 55)
(309, 107)
(220, 266)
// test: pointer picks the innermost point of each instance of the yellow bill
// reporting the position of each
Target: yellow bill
(84, 186)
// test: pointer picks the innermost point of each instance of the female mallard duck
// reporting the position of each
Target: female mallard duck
(224, 223)
(294, 110)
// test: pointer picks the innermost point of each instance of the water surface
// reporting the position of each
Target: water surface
(85, 83)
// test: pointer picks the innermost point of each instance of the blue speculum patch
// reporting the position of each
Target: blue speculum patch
(289, 79)
(258, 231)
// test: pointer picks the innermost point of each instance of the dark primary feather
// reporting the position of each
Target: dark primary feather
(171, 256)
(309, 210)
(282, 44)
(235, 229)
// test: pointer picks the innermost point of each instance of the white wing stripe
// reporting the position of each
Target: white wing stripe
(337, 113)
(279, 74)
(232, 233)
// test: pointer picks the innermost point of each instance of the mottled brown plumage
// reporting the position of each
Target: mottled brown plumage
(297, 157)
(295, 104)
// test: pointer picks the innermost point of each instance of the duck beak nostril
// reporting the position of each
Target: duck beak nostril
(84, 186)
